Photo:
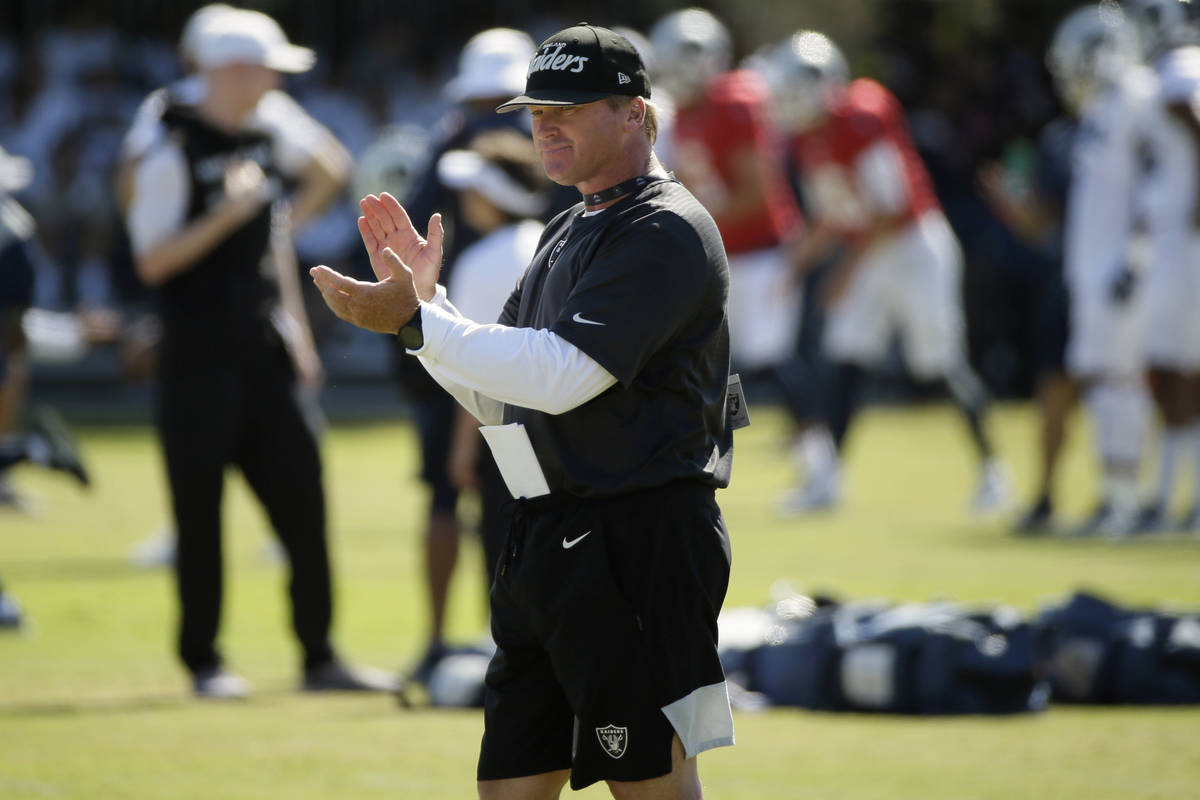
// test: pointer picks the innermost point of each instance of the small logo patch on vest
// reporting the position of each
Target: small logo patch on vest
(613, 739)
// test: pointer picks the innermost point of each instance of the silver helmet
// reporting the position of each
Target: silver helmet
(691, 47)
(1092, 47)
(802, 70)
(1160, 24)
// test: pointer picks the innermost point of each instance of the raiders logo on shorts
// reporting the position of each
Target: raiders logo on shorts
(613, 739)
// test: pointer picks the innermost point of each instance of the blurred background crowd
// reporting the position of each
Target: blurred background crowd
(970, 74)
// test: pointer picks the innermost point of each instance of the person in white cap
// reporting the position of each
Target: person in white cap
(47, 443)
(502, 192)
(208, 224)
(316, 158)
(491, 68)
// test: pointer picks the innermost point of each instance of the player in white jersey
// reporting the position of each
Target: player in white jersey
(1173, 223)
(1094, 62)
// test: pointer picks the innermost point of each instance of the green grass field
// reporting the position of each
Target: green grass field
(93, 705)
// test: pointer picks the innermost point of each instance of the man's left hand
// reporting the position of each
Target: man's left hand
(383, 307)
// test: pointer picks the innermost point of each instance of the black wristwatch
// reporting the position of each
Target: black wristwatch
(411, 335)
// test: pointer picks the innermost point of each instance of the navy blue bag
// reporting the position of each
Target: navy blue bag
(1093, 651)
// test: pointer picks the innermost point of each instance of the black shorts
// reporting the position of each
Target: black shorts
(436, 417)
(1052, 327)
(16, 295)
(605, 615)
(16, 276)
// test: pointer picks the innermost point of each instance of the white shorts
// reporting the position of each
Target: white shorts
(764, 309)
(908, 283)
(1107, 338)
(1173, 304)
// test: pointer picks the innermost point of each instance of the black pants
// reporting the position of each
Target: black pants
(241, 409)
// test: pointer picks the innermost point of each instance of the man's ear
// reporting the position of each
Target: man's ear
(636, 114)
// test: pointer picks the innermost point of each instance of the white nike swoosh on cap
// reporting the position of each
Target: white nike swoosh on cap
(579, 318)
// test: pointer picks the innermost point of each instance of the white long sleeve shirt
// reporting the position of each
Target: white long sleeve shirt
(485, 367)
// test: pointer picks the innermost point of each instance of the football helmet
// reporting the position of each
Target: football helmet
(691, 47)
(802, 71)
(1160, 24)
(1092, 47)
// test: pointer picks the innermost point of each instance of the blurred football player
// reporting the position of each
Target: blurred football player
(28, 334)
(1035, 209)
(1093, 59)
(491, 68)
(1173, 224)
(725, 151)
(868, 193)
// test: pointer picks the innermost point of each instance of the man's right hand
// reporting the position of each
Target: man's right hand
(383, 307)
(385, 224)
(247, 187)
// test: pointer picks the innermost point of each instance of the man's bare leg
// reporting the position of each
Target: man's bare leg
(546, 786)
(682, 783)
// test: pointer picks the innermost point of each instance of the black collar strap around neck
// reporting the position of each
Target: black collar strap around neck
(620, 190)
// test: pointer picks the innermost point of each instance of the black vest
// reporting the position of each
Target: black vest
(225, 299)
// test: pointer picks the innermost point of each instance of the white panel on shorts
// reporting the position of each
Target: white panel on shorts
(702, 719)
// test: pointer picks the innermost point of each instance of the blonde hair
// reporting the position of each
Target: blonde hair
(649, 123)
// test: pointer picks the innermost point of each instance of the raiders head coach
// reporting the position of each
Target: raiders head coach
(604, 386)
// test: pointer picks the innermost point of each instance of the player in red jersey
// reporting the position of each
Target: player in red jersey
(727, 153)
(867, 191)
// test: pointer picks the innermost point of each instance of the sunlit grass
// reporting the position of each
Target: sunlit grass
(93, 704)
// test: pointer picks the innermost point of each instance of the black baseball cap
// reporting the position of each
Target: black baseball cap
(582, 64)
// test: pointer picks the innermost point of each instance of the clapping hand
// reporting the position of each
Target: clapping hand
(405, 264)
(385, 224)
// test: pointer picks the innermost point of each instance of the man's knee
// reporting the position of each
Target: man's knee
(683, 782)
(546, 786)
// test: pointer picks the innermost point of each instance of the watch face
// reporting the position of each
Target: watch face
(411, 337)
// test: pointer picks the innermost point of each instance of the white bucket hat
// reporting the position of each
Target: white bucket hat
(241, 36)
(201, 20)
(466, 169)
(493, 63)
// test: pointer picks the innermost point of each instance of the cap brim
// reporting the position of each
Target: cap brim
(552, 97)
(16, 172)
(290, 58)
(481, 87)
(460, 169)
